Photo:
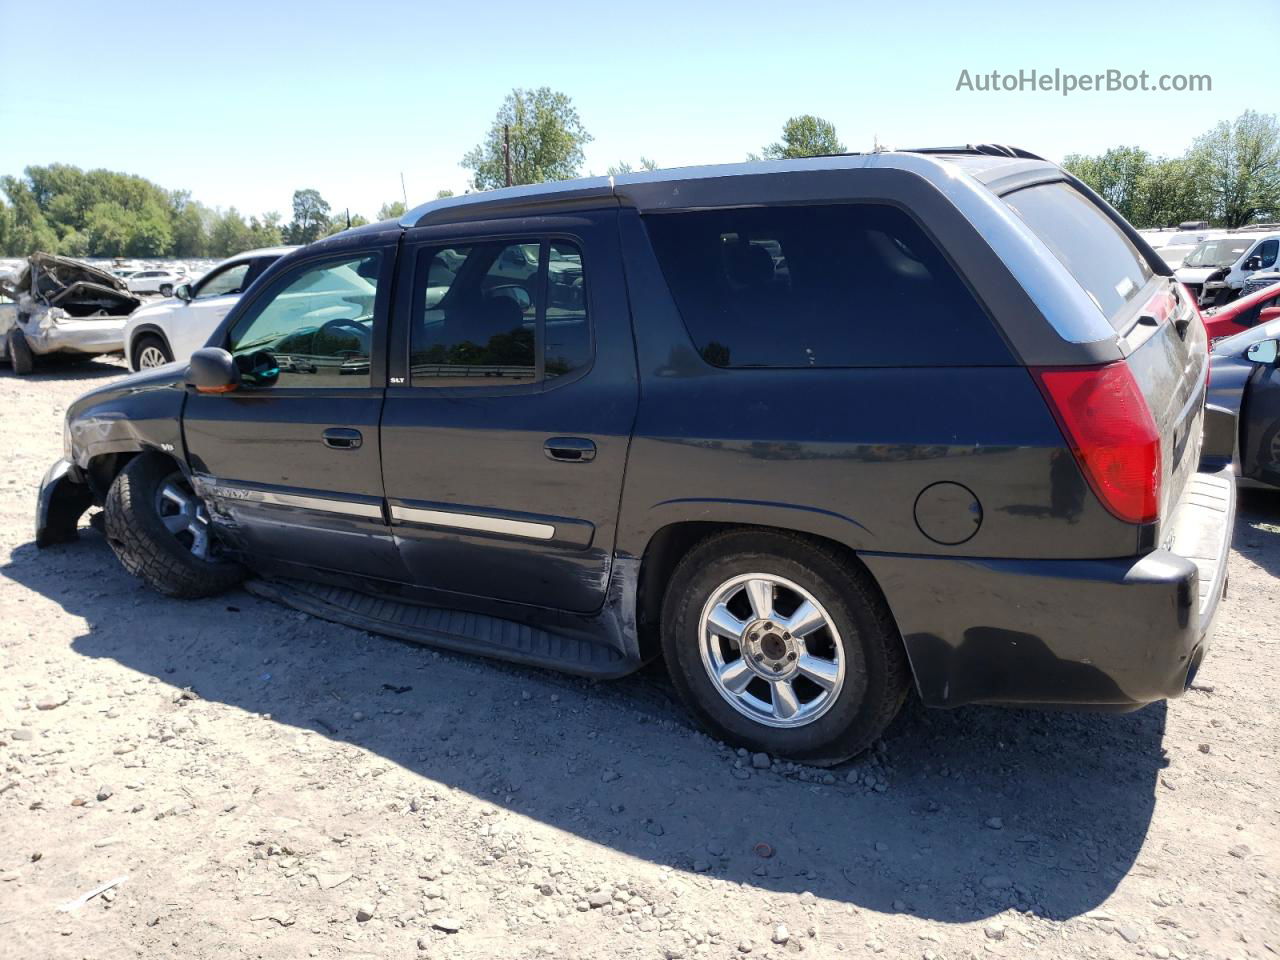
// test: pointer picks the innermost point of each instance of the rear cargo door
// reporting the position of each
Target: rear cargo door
(1161, 335)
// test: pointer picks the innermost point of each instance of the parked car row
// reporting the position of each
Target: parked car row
(159, 333)
(1217, 270)
(593, 423)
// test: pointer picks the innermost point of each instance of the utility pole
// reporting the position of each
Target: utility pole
(506, 151)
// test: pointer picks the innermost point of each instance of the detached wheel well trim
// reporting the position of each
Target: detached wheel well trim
(138, 333)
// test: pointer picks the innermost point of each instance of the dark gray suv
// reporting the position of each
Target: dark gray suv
(814, 431)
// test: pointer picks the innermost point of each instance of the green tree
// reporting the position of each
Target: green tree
(339, 224)
(229, 234)
(7, 225)
(310, 217)
(1147, 191)
(1115, 176)
(1239, 162)
(190, 225)
(31, 231)
(1170, 193)
(546, 141)
(805, 136)
(444, 194)
(391, 211)
(265, 232)
(622, 166)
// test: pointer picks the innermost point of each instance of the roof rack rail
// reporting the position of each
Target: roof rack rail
(1254, 227)
(986, 149)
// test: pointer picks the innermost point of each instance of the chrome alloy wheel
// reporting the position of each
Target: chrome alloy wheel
(151, 356)
(184, 514)
(771, 650)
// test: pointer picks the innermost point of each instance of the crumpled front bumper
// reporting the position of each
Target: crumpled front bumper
(62, 500)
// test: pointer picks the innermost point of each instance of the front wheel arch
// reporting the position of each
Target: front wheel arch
(131, 354)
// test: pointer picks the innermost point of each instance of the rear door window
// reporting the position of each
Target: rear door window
(847, 285)
(499, 313)
(1093, 249)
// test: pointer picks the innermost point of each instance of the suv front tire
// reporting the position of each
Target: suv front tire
(778, 643)
(159, 530)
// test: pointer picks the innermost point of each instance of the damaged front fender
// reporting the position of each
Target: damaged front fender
(62, 501)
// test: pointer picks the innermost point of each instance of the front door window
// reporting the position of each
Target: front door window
(314, 331)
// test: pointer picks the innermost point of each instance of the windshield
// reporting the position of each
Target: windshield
(1217, 253)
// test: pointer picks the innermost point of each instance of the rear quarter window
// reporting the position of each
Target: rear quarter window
(1085, 240)
(847, 285)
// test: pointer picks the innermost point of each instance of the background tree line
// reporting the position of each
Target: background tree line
(1230, 175)
(101, 213)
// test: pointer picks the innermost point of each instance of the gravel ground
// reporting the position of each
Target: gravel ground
(264, 784)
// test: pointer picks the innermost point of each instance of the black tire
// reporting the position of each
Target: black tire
(143, 544)
(876, 671)
(166, 289)
(142, 343)
(21, 358)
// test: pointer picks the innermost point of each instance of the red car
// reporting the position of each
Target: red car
(1248, 311)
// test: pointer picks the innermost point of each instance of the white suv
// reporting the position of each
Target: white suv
(158, 280)
(173, 329)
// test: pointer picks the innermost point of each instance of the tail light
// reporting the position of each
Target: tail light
(1111, 432)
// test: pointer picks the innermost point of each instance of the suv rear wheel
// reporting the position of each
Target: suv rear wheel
(159, 530)
(777, 643)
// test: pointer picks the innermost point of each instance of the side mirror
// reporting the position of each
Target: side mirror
(1267, 314)
(1264, 351)
(1253, 263)
(183, 292)
(213, 370)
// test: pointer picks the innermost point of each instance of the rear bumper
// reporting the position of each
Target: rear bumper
(1113, 633)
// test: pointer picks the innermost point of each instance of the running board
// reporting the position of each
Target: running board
(475, 633)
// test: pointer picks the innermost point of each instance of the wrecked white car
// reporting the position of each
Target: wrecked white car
(61, 307)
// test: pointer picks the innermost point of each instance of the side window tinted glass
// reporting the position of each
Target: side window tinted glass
(315, 331)
(1267, 251)
(477, 321)
(853, 285)
(567, 337)
(230, 280)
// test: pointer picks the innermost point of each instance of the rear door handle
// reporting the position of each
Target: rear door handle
(342, 438)
(570, 449)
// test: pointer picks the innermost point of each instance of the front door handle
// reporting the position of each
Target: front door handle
(342, 438)
(570, 449)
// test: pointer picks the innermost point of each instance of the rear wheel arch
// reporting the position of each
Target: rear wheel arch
(668, 545)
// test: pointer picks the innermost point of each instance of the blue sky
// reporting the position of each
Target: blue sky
(244, 102)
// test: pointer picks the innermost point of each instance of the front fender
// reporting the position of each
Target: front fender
(141, 412)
